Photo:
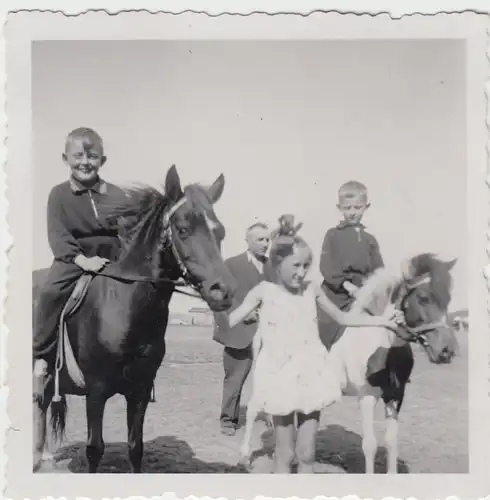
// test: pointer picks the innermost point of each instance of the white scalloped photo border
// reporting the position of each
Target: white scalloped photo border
(304, 8)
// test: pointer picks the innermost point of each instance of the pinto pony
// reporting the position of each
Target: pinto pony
(423, 294)
(117, 334)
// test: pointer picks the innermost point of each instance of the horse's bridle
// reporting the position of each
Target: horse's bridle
(416, 334)
(167, 243)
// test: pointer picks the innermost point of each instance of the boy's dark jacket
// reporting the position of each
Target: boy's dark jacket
(73, 226)
(349, 253)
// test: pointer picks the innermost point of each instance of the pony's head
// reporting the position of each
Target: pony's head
(195, 235)
(422, 290)
(175, 235)
(424, 296)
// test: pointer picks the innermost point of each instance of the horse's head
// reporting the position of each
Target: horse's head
(424, 297)
(194, 234)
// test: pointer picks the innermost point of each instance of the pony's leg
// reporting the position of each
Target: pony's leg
(251, 417)
(137, 403)
(95, 403)
(367, 402)
(391, 437)
(40, 412)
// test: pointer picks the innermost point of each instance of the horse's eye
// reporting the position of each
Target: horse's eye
(423, 300)
(183, 232)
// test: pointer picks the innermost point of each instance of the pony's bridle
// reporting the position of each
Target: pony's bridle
(167, 243)
(417, 334)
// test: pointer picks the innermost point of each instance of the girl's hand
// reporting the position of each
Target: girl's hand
(394, 318)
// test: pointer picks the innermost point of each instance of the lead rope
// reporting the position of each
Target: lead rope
(60, 359)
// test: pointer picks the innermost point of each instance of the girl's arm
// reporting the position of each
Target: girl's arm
(351, 318)
(250, 303)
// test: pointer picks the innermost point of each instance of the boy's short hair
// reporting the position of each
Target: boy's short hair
(87, 134)
(352, 188)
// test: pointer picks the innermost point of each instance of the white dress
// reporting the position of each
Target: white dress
(292, 370)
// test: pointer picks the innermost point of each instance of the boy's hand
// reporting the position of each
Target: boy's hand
(90, 264)
(350, 288)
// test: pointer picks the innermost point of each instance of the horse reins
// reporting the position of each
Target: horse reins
(166, 243)
(416, 333)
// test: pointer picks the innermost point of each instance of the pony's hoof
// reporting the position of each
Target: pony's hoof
(37, 462)
(245, 461)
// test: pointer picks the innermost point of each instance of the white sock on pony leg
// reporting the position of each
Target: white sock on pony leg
(367, 403)
(391, 437)
(251, 417)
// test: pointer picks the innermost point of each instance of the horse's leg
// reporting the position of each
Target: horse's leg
(367, 402)
(95, 402)
(137, 403)
(391, 437)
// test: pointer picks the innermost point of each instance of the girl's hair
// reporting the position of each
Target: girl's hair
(285, 239)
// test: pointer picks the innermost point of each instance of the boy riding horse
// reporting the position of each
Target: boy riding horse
(79, 238)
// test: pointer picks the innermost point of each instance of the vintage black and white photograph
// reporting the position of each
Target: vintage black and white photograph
(251, 256)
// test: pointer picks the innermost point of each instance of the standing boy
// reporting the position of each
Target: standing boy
(349, 255)
(248, 268)
(80, 239)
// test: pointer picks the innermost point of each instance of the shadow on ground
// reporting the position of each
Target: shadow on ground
(343, 448)
(338, 450)
(163, 455)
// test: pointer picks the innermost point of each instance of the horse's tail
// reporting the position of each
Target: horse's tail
(59, 410)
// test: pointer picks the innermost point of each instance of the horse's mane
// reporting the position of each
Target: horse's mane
(138, 213)
(379, 289)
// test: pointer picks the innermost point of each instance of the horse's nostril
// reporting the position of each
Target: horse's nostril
(217, 287)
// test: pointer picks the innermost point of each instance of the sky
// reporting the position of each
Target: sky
(286, 123)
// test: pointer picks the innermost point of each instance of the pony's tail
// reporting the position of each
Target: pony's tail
(59, 410)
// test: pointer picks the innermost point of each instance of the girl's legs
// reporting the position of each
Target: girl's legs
(306, 441)
(284, 447)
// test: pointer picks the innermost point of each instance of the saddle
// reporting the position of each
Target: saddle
(65, 359)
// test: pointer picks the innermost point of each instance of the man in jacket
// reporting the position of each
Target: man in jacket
(249, 268)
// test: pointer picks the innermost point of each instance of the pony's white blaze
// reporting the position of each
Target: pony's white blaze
(211, 224)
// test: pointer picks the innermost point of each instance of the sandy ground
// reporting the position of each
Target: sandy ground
(182, 430)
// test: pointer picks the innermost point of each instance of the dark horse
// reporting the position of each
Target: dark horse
(118, 332)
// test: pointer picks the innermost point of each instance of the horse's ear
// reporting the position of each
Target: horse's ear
(172, 184)
(451, 264)
(216, 190)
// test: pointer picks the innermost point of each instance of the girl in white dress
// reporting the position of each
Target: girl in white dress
(292, 365)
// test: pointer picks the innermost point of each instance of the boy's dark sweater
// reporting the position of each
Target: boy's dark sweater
(351, 254)
(73, 227)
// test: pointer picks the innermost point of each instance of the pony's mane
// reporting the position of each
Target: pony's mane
(440, 277)
(378, 290)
